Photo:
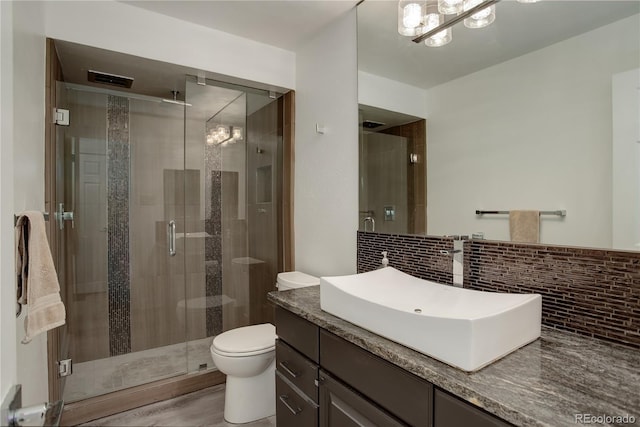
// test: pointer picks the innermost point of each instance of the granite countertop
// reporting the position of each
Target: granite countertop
(545, 383)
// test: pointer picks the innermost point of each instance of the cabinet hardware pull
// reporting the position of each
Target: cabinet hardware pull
(288, 370)
(285, 401)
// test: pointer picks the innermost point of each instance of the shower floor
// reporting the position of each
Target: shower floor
(103, 376)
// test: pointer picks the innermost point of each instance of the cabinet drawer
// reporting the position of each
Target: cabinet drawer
(302, 372)
(292, 410)
(298, 333)
(341, 406)
(402, 394)
(449, 411)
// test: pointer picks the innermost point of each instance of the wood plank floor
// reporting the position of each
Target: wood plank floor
(201, 408)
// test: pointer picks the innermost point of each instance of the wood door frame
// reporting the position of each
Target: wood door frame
(288, 170)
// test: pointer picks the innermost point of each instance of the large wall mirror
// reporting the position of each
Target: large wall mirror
(538, 111)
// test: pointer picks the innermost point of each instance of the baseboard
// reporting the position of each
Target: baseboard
(113, 403)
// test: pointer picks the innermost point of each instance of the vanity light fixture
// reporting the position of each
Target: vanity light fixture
(415, 17)
(426, 18)
(221, 135)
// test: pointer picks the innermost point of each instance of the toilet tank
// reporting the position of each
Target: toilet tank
(294, 280)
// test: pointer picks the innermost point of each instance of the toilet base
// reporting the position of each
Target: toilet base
(250, 399)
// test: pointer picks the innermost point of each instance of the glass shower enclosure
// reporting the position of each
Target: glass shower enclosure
(173, 236)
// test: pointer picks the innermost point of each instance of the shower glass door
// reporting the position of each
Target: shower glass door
(234, 162)
(120, 170)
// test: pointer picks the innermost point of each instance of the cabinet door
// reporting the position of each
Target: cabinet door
(342, 407)
(400, 393)
(449, 411)
(300, 371)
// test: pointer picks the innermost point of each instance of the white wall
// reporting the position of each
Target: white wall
(22, 185)
(626, 160)
(123, 28)
(28, 146)
(530, 133)
(326, 166)
(8, 355)
(391, 95)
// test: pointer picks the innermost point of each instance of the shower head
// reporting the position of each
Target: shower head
(175, 100)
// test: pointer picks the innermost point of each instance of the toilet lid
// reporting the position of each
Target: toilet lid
(296, 279)
(246, 339)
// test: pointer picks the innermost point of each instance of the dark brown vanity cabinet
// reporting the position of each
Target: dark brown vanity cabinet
(324, 380)
(297, 358)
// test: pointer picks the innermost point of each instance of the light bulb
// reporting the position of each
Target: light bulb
(237, 134)
(222, 132)
(450, 7)
(481, 18)
(432, 20)
(210, 139)
(410, 14)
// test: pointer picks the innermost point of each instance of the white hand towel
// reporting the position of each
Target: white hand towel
(38, 285)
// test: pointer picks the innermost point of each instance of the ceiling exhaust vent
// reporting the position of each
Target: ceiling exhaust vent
(109, 79)
(370, 124)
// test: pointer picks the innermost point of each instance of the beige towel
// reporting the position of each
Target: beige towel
(524, 226)
(38, 286)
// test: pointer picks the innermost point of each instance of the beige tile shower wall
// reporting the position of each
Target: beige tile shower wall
(262, 208)
(87, 302)
(235, 278)
(415, 133)
(157, 191)
(387, 180)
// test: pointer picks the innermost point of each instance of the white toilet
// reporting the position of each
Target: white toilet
(247, 356)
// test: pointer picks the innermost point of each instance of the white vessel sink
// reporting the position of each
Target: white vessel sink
(461, 327)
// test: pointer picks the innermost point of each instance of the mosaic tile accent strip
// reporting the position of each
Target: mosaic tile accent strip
(213, 244)
(118, 273)
(592, 292)
(416, 255)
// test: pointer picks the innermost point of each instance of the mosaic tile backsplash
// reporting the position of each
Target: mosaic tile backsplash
(416, 255)
(592, 292)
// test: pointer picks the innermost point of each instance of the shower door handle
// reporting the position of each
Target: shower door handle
(62, 216)
(172, 238)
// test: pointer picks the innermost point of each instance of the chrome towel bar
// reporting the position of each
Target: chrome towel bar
(15, 218)
(558, 213)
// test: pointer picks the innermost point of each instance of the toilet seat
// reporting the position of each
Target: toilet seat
(246, 341)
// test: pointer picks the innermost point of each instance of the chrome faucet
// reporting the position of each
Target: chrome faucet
(373, 223)
(457, 257)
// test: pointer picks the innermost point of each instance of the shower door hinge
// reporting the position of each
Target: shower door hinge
(61, 117)
(65, 368)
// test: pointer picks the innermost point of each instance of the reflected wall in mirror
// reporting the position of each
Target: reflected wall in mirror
(392, 158)
(539, 111)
